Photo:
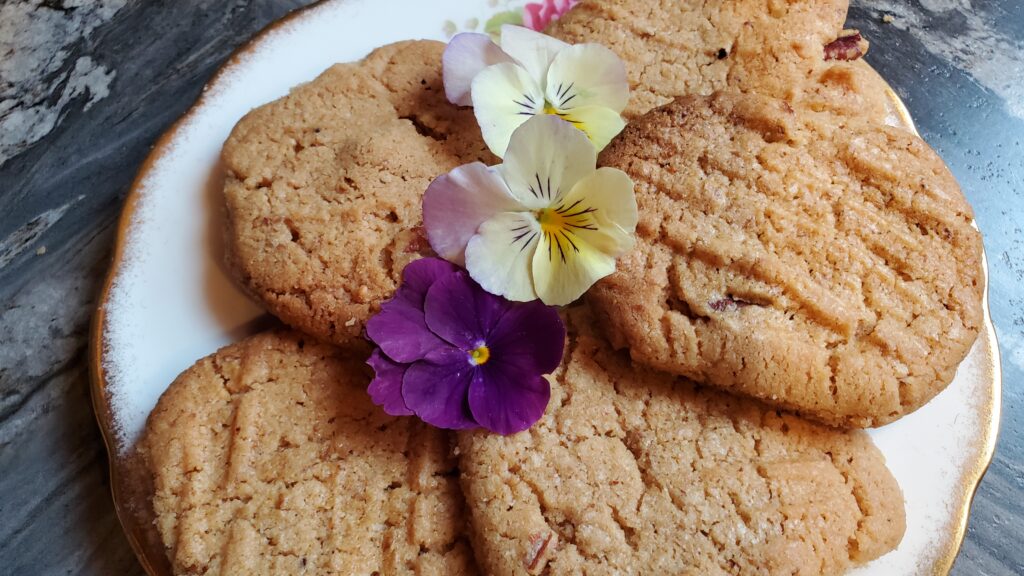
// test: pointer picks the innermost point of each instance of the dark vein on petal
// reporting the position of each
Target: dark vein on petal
(580, 213)
(569, 240)
(587, 227)
(561, 210)
(528, 242)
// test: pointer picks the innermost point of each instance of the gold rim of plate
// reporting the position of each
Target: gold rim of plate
(139, 533)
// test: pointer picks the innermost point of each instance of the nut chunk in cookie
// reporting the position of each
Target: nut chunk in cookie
(828, 267)
(268, 457)
(633, 471)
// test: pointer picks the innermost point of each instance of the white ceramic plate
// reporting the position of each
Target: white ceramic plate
(167, 302)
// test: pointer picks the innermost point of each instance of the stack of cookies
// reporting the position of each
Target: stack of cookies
(802, 270)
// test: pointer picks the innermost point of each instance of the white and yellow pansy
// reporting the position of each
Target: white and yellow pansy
(547, 223)
(532, 74)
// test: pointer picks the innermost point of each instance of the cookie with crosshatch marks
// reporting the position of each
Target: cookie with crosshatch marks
(268, 457)
(796, 50)
(633, 471)
(323, 186)
(830, 268)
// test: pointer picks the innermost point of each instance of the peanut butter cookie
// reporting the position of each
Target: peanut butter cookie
(825, 267)
(795, 50)
(268, 457)
(323, 186)
(632, 471)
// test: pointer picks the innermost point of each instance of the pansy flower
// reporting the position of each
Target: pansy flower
(459, 357)
(547, 223)
(533, 74)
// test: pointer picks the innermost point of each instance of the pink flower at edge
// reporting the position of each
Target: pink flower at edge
(537, 15)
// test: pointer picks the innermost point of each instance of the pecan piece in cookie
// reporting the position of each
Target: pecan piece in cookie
(541, 543)
(723, 304)
(849, 46)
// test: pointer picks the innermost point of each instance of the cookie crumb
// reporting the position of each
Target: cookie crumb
(41, 250)
(888, 18)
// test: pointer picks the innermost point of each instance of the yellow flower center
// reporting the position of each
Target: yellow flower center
(549, 109)
(550, 220)
(561, 226)
(479, 355)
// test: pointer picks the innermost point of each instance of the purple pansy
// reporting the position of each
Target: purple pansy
(459, 357)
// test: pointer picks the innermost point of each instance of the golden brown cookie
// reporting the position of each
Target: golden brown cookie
(786, 49)
(323, 186)
(828, 268)
(632, 471)
(268, 457)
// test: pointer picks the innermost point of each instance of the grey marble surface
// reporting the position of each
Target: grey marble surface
(86, 87)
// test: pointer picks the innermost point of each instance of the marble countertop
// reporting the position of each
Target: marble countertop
(87, 87)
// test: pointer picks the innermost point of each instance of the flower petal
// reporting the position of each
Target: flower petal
(438, 391)
(504, 96)
(457, 203)
(546, 157)
(599, 123)
(461, 312)
(505, 399)
(535, 16)
(386, 387)
(400, 329)
(533, 50)
(587, 75)
(420, 274)
(565, 267)
(466, 55)
(500, 256)
(531, 336)
(600, 217)
(610, 192)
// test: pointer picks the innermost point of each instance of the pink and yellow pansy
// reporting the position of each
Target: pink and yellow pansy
(547, 223)
(532, 74)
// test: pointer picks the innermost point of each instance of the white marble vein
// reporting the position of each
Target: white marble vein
(39, 74)
(994, 60)
(24, 237)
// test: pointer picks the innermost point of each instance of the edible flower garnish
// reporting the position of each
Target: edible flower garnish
(545, 224)
(533, 74)
(459, 357)
(537, 15)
